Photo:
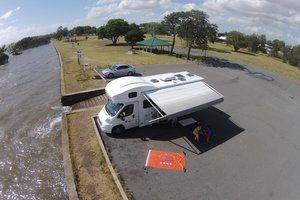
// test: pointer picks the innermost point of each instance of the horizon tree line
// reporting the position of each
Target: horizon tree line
(193, 27)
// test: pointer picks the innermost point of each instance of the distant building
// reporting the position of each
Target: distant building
(221, 39)
(268, 48)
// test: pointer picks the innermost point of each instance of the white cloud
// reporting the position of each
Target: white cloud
(143, 4)
(16, 9)
(137, 11)
(13, 34)
(6, 15)
(106, 1)
(9, 13)
(275, 18)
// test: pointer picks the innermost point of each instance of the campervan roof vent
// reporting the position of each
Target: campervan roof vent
(190, 75)
(167, 77)
(180, 77)
(154, 80)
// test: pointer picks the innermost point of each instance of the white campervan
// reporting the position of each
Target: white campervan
(140, 101)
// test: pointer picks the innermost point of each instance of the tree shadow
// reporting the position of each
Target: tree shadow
(223, 129)
(247, 53)
(153, 50)
(118, 45)
(218, 50)
(222, 63)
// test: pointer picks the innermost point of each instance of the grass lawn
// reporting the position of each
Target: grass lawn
(100, 53)
(92, 176)
(259, 60)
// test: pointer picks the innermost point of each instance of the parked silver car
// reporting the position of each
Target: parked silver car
(118, 70)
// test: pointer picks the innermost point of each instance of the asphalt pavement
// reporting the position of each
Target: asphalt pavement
(254, 155)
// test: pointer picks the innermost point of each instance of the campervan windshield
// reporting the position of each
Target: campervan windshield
(113, 108)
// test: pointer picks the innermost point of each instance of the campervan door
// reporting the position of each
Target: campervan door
(129, 116)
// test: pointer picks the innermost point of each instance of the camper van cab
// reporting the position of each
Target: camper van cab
(141, 101)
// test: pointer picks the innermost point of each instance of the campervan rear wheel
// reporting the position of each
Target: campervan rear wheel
(117, 130)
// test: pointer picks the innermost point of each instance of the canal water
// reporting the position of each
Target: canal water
(31, 165)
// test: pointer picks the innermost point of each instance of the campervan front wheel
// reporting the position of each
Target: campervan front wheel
(117, 130)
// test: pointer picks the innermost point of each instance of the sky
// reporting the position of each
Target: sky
(277, 19)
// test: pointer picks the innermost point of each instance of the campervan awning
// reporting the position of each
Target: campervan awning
(185, 98)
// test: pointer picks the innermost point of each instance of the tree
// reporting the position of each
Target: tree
(101, 32)
(154, 28)
(262, 42)
(134, 26)
(83, 30)
(31, 42)
(3, 56)
(61, 32)
(294, 56)
(285, 53)
(134, 36)
(113, 30)
(252, 43)
(171, 23)
(277, 46)
(236, 39)
(196, 30)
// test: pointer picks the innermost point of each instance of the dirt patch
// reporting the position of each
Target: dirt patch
(92, 176)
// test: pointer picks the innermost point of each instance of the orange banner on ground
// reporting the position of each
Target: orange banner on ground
(167, 160)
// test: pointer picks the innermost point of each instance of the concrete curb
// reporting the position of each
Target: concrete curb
(62, 83)
(72, 98)
(101, 75)
(111, 169)
(69, 175)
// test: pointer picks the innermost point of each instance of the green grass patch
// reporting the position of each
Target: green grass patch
(92, 176)
(100, 54)
(259, 60)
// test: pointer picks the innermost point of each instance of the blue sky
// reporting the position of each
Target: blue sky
(274, 18)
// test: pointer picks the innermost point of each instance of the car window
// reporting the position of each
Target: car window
(113, 67)
(123, 67)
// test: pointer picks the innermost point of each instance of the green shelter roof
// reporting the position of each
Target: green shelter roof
(154, 42)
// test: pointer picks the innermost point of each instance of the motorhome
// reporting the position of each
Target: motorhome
(141, 101)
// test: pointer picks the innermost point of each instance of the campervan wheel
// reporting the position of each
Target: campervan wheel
(117, 130)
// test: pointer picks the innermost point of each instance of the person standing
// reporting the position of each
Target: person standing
(208, 134)
(197, 131)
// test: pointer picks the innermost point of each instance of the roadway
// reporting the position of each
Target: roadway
(255, 154)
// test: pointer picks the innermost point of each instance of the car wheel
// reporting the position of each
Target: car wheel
(110, 75)
(130, 73)
(117, 130)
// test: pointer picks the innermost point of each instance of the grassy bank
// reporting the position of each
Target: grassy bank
(100, 53)
(259, 60)
(92, 176)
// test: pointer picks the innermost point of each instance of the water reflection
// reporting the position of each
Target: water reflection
(31, 164)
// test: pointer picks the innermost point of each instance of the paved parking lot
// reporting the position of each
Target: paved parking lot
(255, 154)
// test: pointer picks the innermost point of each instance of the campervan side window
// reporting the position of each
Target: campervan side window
(132, 95)
(146, 104)
(128, 110)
